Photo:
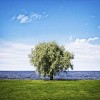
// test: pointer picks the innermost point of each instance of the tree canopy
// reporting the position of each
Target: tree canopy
(49, 58)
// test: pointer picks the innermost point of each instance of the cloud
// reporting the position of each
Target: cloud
(93, 39)
(23, 19)
(14, 56)
(87, 55)
(26, 18)
(86, 40)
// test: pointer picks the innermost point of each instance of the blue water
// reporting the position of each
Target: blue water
(63, 75)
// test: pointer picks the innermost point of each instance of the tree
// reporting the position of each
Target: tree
(50, 58)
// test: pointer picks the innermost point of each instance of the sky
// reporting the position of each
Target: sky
(75, 24)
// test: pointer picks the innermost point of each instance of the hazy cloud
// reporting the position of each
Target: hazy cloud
(87, 55)
(14, 56)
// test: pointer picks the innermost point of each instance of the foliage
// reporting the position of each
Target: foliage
(50, 58)
(49, 90)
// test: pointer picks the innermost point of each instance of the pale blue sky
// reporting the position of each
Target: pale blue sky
(28, 22)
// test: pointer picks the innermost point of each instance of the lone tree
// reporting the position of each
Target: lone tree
(50, 58)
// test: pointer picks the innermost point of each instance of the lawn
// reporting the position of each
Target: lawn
(49, 90)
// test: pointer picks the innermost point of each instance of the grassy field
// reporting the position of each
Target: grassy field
(49, 90)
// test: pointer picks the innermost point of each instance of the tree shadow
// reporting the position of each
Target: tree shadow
(67, 80)
(62, 80)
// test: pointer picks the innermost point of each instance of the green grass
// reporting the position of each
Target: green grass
(49, 90)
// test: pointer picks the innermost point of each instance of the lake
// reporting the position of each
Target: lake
(74, 75)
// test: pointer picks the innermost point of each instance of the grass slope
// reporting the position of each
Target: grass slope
(49, 90)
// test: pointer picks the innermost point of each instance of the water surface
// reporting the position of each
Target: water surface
(62, 75)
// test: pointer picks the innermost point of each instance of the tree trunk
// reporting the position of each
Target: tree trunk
(51, 75)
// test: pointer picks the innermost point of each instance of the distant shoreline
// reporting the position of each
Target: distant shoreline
(34, 71)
